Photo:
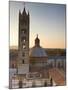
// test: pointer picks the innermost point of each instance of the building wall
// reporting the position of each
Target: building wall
(30, 83)
(57, 62)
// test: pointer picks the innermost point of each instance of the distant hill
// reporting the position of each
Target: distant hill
(51, 52)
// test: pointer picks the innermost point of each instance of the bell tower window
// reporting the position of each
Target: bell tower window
(23, 39)
(24, 46)
(23, 31)
(23, 61)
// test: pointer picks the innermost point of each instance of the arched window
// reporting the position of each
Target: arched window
(23, 61)
(23, 39)
(45, 83)
(23, 31)
(20, 84)
(24, 46)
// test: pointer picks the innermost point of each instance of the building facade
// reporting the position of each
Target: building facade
(33, 68)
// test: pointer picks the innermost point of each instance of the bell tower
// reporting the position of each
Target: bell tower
(23, 43)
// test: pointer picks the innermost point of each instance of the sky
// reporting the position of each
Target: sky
(46, 20)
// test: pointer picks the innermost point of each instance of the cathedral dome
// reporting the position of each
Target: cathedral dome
(37, 51)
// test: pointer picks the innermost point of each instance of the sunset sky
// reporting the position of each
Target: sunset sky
(46, 20)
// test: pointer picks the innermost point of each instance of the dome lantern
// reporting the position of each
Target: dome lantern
(37, 41)
(37, 50)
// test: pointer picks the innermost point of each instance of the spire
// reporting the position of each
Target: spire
(24, 11)
(37, 35)
(37, 41)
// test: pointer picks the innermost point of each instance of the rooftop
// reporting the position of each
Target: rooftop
(57, 76)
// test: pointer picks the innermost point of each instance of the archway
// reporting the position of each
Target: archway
(20, 84)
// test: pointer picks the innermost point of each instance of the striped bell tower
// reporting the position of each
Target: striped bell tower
(23, 43)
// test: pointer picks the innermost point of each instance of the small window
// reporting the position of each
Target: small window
(23, 39)
(23, 31)
(24, 46)
(20, 84)
(23, 61)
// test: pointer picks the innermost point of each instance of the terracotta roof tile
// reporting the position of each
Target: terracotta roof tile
(57, 76)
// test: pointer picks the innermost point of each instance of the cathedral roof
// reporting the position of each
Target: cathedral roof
(37, 51)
